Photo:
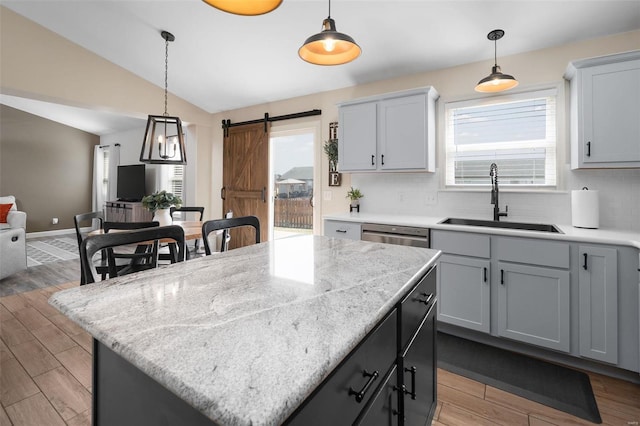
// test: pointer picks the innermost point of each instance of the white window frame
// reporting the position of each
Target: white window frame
(550, 144)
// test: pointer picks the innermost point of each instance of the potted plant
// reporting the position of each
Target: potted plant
(159, 203)
(354, 195)
(331, 149)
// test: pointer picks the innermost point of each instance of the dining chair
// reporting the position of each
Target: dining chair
(226, 224)
(135, 259)
(93, 219)
(93, 244)
(182, 210)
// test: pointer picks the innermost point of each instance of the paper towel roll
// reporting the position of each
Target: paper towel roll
(585, 211)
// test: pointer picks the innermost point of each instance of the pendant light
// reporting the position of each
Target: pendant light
(496, 81)
(163, 140)
(245, 7)
(329, 47)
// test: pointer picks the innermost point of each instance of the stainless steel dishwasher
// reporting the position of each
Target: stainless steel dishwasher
(393, 234)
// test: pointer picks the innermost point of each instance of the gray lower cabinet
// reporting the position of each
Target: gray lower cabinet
(464, 290)
(598, 278)
(534, 305)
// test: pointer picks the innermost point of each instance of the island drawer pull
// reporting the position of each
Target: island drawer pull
(372, 158)
(372, 378)
(425, 301)
(412, 370)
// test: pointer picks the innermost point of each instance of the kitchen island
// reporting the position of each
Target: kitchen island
(244, 337)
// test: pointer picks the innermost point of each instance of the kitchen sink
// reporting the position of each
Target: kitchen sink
(541, 227)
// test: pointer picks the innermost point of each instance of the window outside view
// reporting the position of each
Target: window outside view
(292, 168)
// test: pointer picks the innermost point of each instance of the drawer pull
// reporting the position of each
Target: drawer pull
(412, 370)
(342, 231)
(584, 265)
(372, 378)
(382, 156)
(372, 158)
(589, 149)
(425, 301)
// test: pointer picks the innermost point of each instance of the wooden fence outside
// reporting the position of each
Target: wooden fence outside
(293, 213)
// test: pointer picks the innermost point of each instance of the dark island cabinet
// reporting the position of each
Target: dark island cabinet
(390, 377)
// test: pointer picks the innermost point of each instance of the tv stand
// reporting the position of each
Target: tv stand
(126, 211)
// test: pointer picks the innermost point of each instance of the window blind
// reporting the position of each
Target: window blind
(517, 132)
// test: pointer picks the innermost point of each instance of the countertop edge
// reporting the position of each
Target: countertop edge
(570, 233)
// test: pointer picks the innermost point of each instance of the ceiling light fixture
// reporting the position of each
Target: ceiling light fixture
(164, 131)
(496, 81)
(329, 47)
(245, 7)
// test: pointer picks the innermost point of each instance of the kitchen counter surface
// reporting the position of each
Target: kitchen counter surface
(245, 336)
(570, 233)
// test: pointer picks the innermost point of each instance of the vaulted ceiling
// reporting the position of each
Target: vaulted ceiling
(221, 61)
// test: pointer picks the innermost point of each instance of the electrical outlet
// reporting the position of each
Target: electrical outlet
(54, 221)
(431, 198)
(326, 195)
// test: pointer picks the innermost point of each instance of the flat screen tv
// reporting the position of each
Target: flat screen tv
(131, 182)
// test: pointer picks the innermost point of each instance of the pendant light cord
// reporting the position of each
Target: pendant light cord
(166, 71)
(495, 52)
(329, 8)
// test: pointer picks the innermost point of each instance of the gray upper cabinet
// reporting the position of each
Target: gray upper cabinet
(598, 277)
(605, 111)
(390, 132)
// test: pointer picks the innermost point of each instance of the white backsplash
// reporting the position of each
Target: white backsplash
(420, 194)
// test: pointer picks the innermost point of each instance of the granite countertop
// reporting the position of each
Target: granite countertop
(570, 233)
(245, 336)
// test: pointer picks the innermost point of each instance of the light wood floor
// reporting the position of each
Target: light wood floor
(45, 378)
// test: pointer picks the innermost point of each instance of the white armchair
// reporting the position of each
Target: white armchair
(13, 245)
(15, 218)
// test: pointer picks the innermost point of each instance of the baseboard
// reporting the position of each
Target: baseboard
(41, 234)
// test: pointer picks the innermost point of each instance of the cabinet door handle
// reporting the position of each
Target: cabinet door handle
(485, 274)
(372, 159)
(412, 370)
(502, 276)
(425, 301)
(372, 378)
(589, 149)
(584, 265)
(264, 195)
(382, 159)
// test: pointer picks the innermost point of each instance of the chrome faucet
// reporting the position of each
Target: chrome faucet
(493, 173)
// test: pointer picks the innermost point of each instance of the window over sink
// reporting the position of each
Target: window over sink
(516, 131)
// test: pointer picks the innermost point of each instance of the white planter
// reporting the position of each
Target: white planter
(163, 216)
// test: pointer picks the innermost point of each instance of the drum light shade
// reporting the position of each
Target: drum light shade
(245, 7)
(496, 81)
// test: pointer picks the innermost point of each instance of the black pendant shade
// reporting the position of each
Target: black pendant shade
(329, 47)
(496, 81)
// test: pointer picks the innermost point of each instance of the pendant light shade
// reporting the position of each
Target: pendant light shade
(496, 81)
(329, 47)
(163, 139)
(245, 7)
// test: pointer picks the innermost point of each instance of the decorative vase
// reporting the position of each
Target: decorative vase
(163, 216)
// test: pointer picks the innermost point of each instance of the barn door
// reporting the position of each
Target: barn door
(245, 178)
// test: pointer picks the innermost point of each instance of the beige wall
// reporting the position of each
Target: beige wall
(47, 166)
(532, 69)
